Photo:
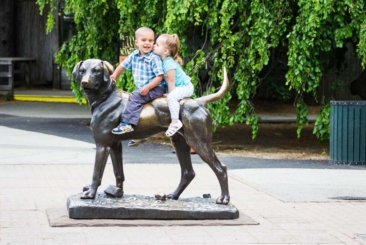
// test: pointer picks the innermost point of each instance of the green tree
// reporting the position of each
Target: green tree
(241, 35)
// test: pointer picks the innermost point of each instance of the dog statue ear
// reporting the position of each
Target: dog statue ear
(75, 72)
(108, 70)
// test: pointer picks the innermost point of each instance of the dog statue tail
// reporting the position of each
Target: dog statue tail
(216, 96)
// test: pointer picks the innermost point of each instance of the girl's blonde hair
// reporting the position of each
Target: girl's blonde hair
(173, 44)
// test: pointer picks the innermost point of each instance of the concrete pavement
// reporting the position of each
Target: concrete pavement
(38, 171)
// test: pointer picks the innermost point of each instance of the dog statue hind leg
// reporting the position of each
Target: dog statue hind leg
(182, 150)
(197, 132)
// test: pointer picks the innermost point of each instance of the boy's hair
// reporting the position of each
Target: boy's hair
(139, 31)
(173, 44)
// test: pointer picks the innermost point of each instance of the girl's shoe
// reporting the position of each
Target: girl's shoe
(173, 128)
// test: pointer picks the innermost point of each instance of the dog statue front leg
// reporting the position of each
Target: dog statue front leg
(101, 158)
(117, 161)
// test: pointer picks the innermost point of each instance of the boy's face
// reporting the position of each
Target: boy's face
(145, 42)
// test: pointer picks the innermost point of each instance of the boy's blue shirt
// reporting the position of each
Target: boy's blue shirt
(144, 68)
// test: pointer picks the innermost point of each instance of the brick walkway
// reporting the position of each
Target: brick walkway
(28, 190)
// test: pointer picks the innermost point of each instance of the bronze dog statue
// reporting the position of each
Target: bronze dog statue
(107, 104)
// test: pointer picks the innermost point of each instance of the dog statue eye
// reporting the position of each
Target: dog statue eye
(97, 70)
(82, 70)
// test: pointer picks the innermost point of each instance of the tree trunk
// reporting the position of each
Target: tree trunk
(7, 32)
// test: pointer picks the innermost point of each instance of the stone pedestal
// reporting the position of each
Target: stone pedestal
(144, 207)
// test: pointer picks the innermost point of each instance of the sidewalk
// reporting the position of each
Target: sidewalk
(38, 172)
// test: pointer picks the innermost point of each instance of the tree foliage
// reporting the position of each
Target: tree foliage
(241, 35)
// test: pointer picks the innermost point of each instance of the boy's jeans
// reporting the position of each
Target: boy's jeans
(134, 105)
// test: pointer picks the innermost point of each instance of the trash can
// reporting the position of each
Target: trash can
(348, 132)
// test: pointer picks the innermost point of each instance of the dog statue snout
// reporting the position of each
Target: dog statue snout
(85, 80)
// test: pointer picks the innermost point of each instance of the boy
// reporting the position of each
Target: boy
(147, 70)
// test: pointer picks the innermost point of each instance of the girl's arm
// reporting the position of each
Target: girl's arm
(171, 79)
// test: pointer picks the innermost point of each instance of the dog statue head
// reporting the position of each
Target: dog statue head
(92, 73)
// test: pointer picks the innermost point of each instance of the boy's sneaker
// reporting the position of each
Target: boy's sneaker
(122, 128)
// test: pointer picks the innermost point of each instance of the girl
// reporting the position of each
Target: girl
(179, 84)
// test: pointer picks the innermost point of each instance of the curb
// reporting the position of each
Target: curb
(41, 98)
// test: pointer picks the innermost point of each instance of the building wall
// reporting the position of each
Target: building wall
(351, 70)
(32, 41)
(7, 36)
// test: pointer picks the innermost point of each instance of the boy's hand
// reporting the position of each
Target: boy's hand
(165, 95)
(144, 90)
